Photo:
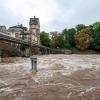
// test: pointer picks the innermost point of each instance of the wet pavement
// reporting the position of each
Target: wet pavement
(59, 77)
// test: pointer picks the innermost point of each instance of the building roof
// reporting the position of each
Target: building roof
(17, 28)
(14, 29)
(34, 21)
(2, 26)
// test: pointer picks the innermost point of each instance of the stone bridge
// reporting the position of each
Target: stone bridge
(10, 46)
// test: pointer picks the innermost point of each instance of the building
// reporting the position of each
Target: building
(53, 34)
(16, 31)
(26, 36)
(31, 35)
(34, 29)
(3, 29)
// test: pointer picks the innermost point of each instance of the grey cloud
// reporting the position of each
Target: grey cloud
(54, 14)
(80, 11)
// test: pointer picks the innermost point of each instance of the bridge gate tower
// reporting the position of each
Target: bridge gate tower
(34, 28)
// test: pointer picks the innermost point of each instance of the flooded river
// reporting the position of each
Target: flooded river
(59, 77)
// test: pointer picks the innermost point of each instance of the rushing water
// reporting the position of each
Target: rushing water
(59, 77)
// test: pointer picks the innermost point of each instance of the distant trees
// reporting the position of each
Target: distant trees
(69, 36)
(81, 37)
(44, 39)
(79, 27)
(95, 43)
(57, 41)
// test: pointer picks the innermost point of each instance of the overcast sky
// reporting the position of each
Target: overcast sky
(55, 15)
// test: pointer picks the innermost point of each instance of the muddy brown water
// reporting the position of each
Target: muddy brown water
(59, 77)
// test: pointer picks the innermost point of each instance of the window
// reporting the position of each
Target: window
(17, 35)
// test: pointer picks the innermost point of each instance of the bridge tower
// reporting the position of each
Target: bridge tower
(34, 28)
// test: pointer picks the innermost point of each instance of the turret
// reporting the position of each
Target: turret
(34, 28)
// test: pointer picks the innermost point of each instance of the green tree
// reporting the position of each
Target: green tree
(95, 44)
(57, 41)
(44, 39)
(69, 36)
(79, 27)
(83, 39)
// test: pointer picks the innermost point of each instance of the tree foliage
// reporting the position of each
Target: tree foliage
(57, 41)
(83, 39)
(69, 36)
(79, 27)
(95, 44)
(44, 39)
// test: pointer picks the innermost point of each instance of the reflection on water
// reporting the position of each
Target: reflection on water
(59, 77)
